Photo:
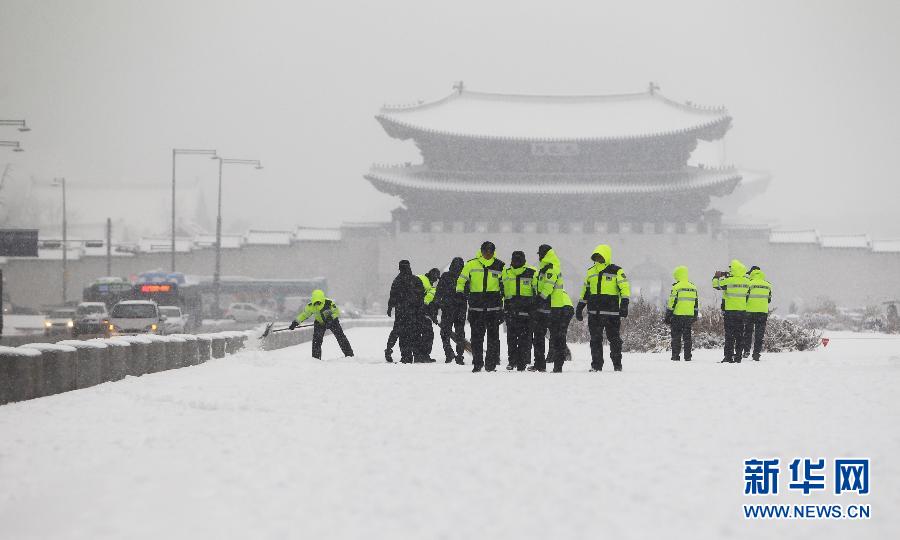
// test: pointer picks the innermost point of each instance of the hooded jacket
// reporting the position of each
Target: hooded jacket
(446, 296)
(407, 292)
(759, 294)
(683, 298)
(483, 279)
(550, 282)
(322, 308)
(605, 285)
(734, 287)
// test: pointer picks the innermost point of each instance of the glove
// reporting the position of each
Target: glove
(668, 317)
(390, 308)
(294, 324)
(720, 274)
(326, 314)
(579, 311)
(623, 308)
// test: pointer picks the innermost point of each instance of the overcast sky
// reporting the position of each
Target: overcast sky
(110, 87)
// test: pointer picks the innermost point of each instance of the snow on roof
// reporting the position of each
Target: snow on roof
(313, 234)
(535, 117)
(845, 241)
(419, 178)
(794, 237)
(156, 244)
(229, 241)
(886, 246)
(269, 238)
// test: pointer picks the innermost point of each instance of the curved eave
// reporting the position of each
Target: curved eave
(707, 131)
(717, 184)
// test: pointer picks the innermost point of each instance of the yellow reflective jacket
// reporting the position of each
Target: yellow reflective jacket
(550, 281)
(323, 309)
(429, 288)
(485, 287)
(519, 287)
(734, 287)
(759, 294)
(683, 298)
(604, 285)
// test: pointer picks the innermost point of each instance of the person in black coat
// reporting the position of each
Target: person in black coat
(453, 311)
(407, 304)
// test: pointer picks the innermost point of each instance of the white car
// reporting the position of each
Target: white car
(243, 312)
(175, 322)
(135, 317)
(60, 321)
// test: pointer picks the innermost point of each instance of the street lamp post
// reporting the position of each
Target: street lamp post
(61, 182)
(176, 152)
(16, 147)
(217, 273)
(16, 123)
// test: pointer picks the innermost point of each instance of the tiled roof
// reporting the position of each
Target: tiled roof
(845, 241)
(555, 118)
(886, 246)
(272, 238)
(396, 180)
(794, 237)
(314, 234)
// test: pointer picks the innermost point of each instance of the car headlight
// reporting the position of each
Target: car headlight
(112, 327)
(48, 324)
(70, 324)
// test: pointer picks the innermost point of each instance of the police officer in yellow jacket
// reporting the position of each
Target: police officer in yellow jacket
(681, 312)
(605, 294)
(326, 315)
(425, 341)
(482, 274)
(734, 285)
(519, 291)
(759, 295)
(556, 302)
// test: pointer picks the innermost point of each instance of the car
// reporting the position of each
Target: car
(59, 321)
(175, 322)
(130, 317)
(91, 318)
(244, 312)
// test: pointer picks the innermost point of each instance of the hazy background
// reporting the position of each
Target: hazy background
(110, 87)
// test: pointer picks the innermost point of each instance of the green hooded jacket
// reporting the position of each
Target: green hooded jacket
(323, 309)
(759, 294)
(734, 287)
(550, 281)
(604, 285)
(683, 298)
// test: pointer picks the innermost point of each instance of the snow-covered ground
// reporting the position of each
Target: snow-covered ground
(278, 445)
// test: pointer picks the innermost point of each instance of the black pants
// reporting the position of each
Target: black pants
(319, 335)
(681, 331)
(424, 339)
(754, 331)
(559, 327)
(734, 335)
(611, 324)
(540, 322)
(485, 322)
(408, 332)
(518, 340)
(453, 323)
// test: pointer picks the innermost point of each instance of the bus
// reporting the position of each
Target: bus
(108, 290)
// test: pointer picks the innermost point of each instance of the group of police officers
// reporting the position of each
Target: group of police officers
(533, 303)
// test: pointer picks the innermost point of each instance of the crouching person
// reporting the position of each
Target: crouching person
(326, 314)
(682, 311)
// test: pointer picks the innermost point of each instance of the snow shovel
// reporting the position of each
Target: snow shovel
(269, 330)
(467, 345)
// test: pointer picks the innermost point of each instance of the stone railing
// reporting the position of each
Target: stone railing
(35, 370)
